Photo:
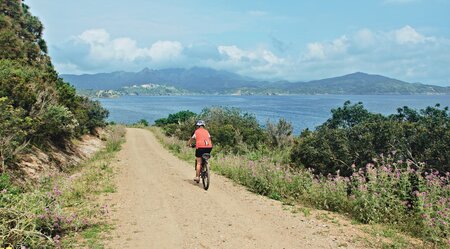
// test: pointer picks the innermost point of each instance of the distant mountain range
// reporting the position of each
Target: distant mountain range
(199, 80)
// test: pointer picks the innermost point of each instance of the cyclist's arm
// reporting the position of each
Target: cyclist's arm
(191, 140)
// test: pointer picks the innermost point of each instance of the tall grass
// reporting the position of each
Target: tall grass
(60, 206)
(397, 193)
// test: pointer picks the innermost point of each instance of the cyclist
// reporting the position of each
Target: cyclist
(203, 145)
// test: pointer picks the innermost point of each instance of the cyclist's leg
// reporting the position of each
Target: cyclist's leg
(199, 162)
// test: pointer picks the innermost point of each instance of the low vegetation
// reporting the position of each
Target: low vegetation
(374, 168)
(55, 212)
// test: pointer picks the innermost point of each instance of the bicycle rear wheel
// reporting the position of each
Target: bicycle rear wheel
(206, 177)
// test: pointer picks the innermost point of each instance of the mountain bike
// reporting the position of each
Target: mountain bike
(204, 169)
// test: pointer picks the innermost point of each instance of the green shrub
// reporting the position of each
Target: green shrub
(280, 134)
(13, 131)
(232, 129)
(96, 115)
(175, 118)
(142, 122)
(354, 136)
(57, 123)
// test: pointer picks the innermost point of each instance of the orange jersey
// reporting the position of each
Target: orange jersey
(202, 138)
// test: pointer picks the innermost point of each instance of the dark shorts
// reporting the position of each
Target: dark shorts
(200, 151)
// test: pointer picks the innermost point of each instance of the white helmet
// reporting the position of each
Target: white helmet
(200, 123)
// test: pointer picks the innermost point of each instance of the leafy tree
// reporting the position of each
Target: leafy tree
(280, 134)
(349, 116)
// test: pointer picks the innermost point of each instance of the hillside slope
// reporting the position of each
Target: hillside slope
(194, 79)
(37, 108)
(362, 83)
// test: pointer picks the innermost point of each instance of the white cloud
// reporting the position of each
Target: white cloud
(407, 35)
(259, 62)
(94, 36)
(365, 38)
(233, 52)
(124, 49)
(236, 54)
(271, 58)
(67, 68)
(403, 53)
(165, 50)
(324, 50)
(316, 50)
(339, 45)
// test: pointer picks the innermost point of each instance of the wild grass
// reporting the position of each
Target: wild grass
(392, 193)
(53, 213)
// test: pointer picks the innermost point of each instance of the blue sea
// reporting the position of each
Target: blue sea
(304, 111)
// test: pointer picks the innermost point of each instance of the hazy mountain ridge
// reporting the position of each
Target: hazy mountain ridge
(195, 79)
(210, 81)
(362, 83)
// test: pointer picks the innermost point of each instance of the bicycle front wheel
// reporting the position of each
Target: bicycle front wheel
(206, 177)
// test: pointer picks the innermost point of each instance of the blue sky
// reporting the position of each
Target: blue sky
(293, 40)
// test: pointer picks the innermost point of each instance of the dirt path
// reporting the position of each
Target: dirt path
(157, 205)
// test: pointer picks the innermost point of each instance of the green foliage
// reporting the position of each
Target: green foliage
(175, 118)
(57, 123)
(10, 45)
(280, 134)
(6, 186)
(354, 136)
(142, 122)
(349, 115)
(36, 105)
(320, 151)
(230, 129)
(233, 130)
(425, 135)
(96, 115)
(21, 35)
(13, 126)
